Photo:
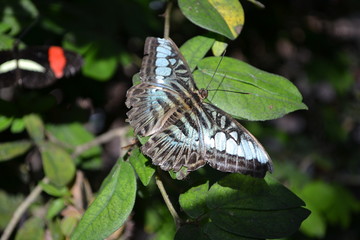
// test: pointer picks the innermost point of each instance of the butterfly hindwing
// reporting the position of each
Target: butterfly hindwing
(231, 148)
(184, 131)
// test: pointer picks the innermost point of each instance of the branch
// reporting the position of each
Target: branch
(167, 20)
(21, 210)
(168, 203)
(116, 132)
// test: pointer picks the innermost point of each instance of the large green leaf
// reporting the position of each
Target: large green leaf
(31, 229)
(111, 207)
(225, 17)
(8, 205)
(193, 202)
(57, 163)
(10, 150)
(142, 166)
(243, 207)
(245, 91)
(195, 49)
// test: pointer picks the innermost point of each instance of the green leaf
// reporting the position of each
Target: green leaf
(190, 232)
(32, 229)
(68, 225)
(142, 166)
(6, 42)
(55, 207)
(73, 135)
(331, 203)
(195, 49)
(58, 165)
(193, 202)
(8, 205)
(315, 224)
(35, 127)
(29, 6)
(158, 221)
(111, 207)
(17, 125)
(54, 190)
(245, 91)
(5, 122)
(99, 65)
(11, 150)
(225, 17)
(240, 204)
(4, 27)
(218, 48)
(55, 230)
(216, 233)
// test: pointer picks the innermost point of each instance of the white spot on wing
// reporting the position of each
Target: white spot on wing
(161, 62)
(23, 64)
(209, 142)
(163, 71)
(261, 156)
(164, 49)
(222, 121)
(234, 134)
(240, 151)
(172, 61)
(161, 55)
(220, 141)
(246, 147)
(231, 147)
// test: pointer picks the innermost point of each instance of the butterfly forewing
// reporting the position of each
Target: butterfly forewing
(185, 132)
(163, 63)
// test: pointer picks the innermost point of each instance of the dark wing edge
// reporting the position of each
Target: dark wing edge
(232, 148)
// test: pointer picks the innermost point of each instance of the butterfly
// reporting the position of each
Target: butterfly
(186, 132)
(37, 67)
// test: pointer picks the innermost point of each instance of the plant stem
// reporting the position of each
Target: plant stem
(167, 20)
(168, 203)
(117, 132)
(22, 209)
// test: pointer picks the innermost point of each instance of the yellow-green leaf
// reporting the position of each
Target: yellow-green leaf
(225, 17)
(218, 48)
(10, 150)
(58, 165)
(35, 127)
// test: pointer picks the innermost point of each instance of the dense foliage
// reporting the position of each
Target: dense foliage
(60, 143)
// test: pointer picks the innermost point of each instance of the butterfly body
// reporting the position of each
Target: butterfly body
(185, 131)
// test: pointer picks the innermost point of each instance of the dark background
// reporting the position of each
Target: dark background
(315, 44)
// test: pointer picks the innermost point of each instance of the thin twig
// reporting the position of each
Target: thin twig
(116, 132)
(168, 203)
(22, 209)
(167, 20)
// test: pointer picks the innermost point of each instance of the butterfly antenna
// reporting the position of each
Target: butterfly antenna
(217, 89)
(217, 67)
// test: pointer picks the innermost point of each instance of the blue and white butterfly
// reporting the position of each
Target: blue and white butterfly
(185, 132)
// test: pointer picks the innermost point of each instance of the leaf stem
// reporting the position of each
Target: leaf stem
(167, 20)
(22, 209)
(168, 203)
